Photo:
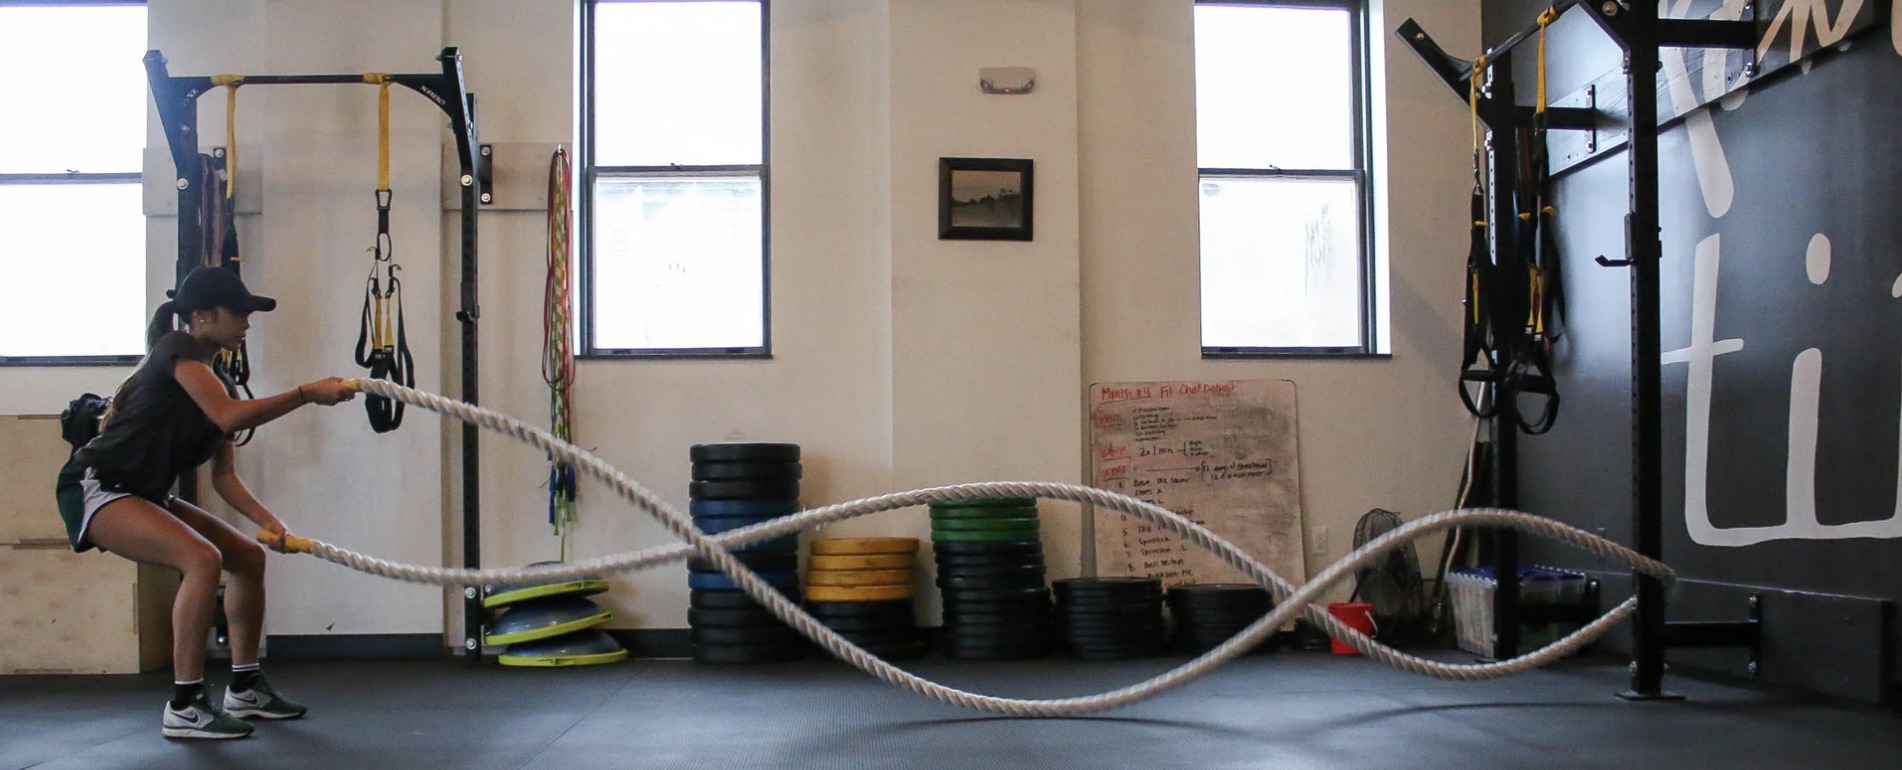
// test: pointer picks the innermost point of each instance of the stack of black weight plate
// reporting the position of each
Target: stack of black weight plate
(738, 485)
(1206, 615)
(1111, 618)
(991, 577)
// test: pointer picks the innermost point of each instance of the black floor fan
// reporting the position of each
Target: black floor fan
(1392, 584)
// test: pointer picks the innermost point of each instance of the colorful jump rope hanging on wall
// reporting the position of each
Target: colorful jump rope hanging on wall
(382, 342)
(558, 357)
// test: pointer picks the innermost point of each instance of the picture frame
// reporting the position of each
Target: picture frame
(986, 199)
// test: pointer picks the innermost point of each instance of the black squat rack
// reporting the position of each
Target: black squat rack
(1635, 26)
(177, 100)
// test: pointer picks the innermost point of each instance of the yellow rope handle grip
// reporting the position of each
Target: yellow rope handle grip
(293, 543)
(353, 385)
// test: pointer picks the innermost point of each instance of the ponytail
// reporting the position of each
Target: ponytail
(164, 320)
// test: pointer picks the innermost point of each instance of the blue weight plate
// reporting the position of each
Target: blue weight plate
(709, 507)
(714, 525)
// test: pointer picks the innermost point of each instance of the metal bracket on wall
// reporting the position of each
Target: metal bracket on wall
(1728, 633)
(485, 174)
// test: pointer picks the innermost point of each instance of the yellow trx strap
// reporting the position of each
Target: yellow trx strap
(1535, 314)
(1472, 98)
(231, 83)
(1545, 20)
(381, 81)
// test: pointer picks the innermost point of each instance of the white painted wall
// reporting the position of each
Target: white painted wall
(899, 360)
(1384, 433)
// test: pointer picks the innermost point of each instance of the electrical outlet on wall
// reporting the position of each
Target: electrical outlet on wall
(1320, 540)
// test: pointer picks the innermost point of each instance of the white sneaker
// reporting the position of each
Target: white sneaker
(201, 720)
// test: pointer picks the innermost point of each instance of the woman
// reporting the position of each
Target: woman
(175, 412)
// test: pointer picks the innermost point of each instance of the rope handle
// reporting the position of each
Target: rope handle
(293, 543)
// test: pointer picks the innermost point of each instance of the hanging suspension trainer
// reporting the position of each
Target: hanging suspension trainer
(1478, 343)
(381, 347)
(1538, 253)
(558, 358)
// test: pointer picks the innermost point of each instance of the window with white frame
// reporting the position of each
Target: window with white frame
(72, 137)
(1284, 191)
(675, 209)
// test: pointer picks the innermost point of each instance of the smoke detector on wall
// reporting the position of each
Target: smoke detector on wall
(1006, 80)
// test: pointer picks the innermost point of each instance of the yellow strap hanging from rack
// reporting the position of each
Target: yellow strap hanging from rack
(1535, 315)
(381, 81)
(231, 83)
(1472, 99)
(1545, 20)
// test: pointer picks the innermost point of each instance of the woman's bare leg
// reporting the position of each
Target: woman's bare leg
(244, 592)
(136, 529)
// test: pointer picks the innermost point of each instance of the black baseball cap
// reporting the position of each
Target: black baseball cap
(209, 287)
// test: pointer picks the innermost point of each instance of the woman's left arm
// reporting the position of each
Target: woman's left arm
(224, 479)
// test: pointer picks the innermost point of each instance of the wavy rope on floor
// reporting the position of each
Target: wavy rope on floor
(1289, 599)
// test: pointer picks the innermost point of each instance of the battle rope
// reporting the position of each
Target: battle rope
(381, 348)
(558, 357)
(1290, 600)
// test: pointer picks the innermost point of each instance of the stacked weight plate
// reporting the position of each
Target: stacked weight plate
(863, 589)
(552, 624)
(991, 576)
(1111, 618)
(738, 485)
(1207, 614)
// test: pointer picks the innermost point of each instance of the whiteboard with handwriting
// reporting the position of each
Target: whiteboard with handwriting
(1222, 453)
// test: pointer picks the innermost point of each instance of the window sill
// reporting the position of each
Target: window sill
(20, 362)
(717, 354)
(1319, 354)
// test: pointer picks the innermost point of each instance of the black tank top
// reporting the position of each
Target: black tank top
(157, 431)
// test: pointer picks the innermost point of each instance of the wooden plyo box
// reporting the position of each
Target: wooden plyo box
(68, 613)
(62, 612)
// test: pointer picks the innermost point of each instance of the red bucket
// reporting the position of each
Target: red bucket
(1358, 616)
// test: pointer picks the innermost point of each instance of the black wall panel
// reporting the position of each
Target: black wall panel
(1815, 158)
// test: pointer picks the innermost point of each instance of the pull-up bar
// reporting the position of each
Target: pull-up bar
(1617, 20)
(177, 101)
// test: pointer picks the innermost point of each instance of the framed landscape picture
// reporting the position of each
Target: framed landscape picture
(984, 199)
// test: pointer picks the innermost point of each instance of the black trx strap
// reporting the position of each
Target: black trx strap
(1537, 247)
(383, 351)
(380, 348)
(1478, 345)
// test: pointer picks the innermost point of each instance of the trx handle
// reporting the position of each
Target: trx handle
(375, 352)
(292, 543)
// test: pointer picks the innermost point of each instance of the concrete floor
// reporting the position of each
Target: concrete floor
(1284, 710)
